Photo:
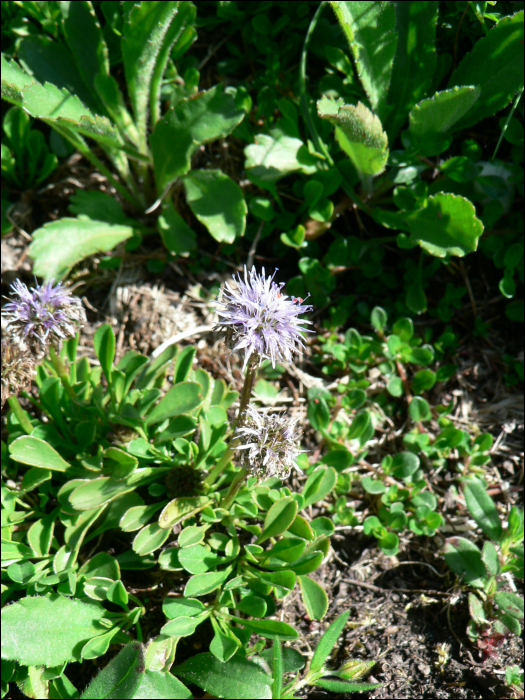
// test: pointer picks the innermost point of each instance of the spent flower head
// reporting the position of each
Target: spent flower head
(17, 369)
(268, 444)
(260, 320)
(43, 315)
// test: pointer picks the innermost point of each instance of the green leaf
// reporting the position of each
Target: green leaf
(181, 508)
(482, 508)
(54, 105)
(177, 236)
(277, 669)
(61, 244)
(269, 629)
(419, 409)
(203, 118)
(48, 630)
(378, 318)
(197, 559)
(104, 345)
(181, 626)
(489, 556)
(318, 485)
(423, 380)
(395, 387)
(37, 453)
(121, 677)
(223, 646)
(218, 203)
(327, 642)
(145, 28)
(181, 607)
(336, 686)
(432, 119)
(314, 598)
(371, 31)
(238, 677)
(202, 584)
(278, 519)
(359, 133)
(84, 38)
(48, 61)
(511, 603)
(181, 398)
(359, 425)
(448, 225)
(414, 61)
(464, 558)
(307, 563)
(404, 465)
(161, 684)
(275, 155)
(501, 49)
(252, 605)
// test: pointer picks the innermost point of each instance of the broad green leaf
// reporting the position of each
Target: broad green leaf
(288, 549)
(55, 105)
(359, 133)
(202, 584)
(104, 345)
(61, 244)
(482, 508)
(434, 118)
(237, 678)
(511, 603)
(121, 677)
(217, 202)
(307, 563)
(495, 65)
(327, 642)
(447, 225)
(144, 32)
(318, 485)
(37, 453)
(359, 425)
(277, 668)
(489, 556)
(278, 519)
(414, 61)
(97, 492)
(48, 630)
(252, 605)
(464, 558)
(206, 117)
(270, 629)
(314, 598)
(49, 61)
(180, 508)
(181, 607)
(197, 559)
(181, 398)
(149, 539)
(181, 626)
(283, 579)
(161, 684)
(275, 155)
(372, 34)
(86, 43)
(177, 236)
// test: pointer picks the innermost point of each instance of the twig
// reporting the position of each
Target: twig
(180, 336)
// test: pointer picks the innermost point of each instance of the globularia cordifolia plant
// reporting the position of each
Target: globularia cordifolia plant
(138, 475)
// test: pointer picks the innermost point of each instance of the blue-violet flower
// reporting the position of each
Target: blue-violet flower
(44, 315)
(270, 441)
(260, 320)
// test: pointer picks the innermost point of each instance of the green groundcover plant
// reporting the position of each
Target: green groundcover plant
(123, 455)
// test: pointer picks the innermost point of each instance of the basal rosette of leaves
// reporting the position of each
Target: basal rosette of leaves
(69, 83)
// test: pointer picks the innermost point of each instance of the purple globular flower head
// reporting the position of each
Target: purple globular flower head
(269, 444)
(43, 315)
(260, 320)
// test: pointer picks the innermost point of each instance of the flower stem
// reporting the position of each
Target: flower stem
(62, 372)
(245, 400)
(235, 485)
(21, 415)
